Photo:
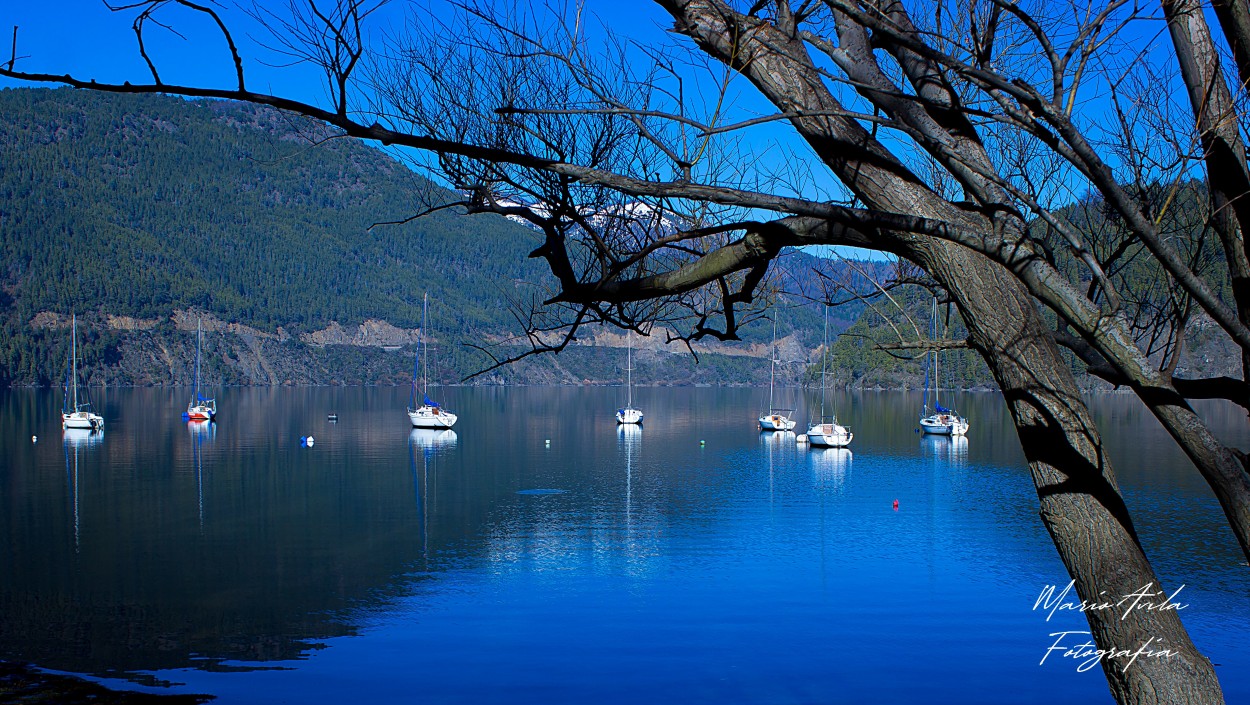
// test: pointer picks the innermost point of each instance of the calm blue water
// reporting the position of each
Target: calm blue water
(486, 566)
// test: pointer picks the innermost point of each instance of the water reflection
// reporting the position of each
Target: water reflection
(773, 440)
(831, 466)
(82, 437)
(655, 561)
(76, 439)
(201, 431)
(629, 441)
(433, 439)
(778, 447)
(951, 450)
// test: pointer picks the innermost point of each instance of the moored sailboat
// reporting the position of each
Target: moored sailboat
(828, 433)
(775, 419)
(430, 414)
(944, 421)
(76, 410)
(628, 414)
(200, 408)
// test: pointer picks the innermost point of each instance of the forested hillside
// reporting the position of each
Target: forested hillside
(143, 213)
(140, 205)
(139, 213)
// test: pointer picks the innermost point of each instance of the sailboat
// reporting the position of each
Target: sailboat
(629, 414)
(75, 408)
(943, 422)
(199, 408)
(775, 419)
(828, 433)
(429, 414)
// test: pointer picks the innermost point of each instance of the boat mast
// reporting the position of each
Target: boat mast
(937, 361)
(198, 337)
(772, 370)
(74, 358)
(824, 366)
(629, 369)
(425, 347)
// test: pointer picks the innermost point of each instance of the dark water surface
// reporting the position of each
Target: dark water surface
(488, 566)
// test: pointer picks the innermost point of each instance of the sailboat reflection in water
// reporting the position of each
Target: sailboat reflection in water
(831, 466)
(76, 439)
(200, 432)
(430, 439)
(431, 444)
(629, 440)
(950, 450)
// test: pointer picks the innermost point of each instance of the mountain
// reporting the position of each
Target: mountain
(143, 213)
(141, 205)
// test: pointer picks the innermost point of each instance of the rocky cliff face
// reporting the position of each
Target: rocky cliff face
(371, 333)
(123, 351)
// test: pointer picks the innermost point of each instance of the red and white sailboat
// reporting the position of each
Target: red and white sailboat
(200, 408)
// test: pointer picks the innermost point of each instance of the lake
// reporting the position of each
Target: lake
(540, 554)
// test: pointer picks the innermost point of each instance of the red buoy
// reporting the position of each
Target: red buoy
(896, 505)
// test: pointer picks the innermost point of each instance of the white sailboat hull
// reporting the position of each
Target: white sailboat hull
(628, 416)
(829, 435)
(82, 420)
(776, 422)
(202, 412)
(431, 417)
(944, 425)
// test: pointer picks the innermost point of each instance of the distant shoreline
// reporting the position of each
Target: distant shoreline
(595, 385)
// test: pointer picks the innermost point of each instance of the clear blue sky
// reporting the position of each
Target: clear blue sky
(85, 39)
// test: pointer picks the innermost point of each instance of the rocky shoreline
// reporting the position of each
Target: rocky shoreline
(23, 683)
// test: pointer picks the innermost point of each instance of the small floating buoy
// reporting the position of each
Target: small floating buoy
(332, 417)
(801, 438)
(308, 441)
(34, 439)
(547, 442)
(896, 505)
(701, 443)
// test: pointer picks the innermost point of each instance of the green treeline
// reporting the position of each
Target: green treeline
(142, 205)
